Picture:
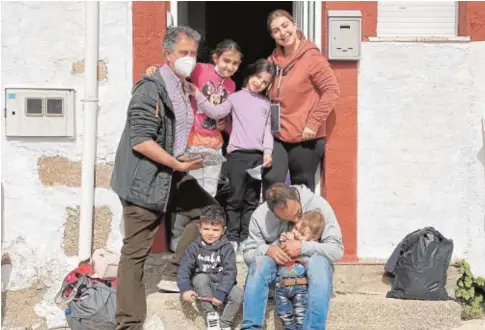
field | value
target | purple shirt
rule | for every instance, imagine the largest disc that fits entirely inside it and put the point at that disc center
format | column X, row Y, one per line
column 184, row 116
column 251, row 123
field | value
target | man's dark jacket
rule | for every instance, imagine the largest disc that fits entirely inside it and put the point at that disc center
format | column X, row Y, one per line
column 136, row 178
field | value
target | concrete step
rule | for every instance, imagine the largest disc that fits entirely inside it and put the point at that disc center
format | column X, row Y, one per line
column 360, row 278
column 359, row 302
column 347, row 312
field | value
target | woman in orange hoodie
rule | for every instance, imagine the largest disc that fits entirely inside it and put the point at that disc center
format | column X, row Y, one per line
column 302, row 95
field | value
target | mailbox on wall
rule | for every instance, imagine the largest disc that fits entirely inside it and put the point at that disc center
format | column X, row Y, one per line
column 344, row 34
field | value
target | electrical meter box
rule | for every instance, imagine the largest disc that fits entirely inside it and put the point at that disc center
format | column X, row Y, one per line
column 344, row 34
column 37, row 112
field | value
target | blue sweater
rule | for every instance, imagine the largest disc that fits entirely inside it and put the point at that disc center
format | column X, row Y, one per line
column 217, row 260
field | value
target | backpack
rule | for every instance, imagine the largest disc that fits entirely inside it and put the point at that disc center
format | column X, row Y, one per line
column 88, row 303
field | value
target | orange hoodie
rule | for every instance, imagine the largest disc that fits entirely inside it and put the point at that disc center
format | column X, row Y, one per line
column 308, row 91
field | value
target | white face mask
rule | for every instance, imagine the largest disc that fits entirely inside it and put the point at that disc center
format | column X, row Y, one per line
column 184, row 66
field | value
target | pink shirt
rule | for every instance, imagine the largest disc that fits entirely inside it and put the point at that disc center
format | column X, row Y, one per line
column 215, row 89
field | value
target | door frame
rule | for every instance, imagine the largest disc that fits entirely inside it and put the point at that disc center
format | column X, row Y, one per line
column 308, row 16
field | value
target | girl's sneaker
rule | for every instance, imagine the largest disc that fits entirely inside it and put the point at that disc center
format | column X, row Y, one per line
column 212, row 320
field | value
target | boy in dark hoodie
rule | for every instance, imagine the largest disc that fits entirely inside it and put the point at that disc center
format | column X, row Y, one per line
column 208, row 269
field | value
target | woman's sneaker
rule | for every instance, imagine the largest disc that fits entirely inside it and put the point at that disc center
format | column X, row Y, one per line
column 212, row 320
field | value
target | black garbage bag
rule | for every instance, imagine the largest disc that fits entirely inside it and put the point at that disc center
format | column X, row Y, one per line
column 422, row 266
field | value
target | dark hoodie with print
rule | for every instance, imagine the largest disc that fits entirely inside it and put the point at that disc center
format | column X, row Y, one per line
column 217, row 260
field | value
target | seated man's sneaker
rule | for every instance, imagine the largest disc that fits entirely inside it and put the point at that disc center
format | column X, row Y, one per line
column 212, row 319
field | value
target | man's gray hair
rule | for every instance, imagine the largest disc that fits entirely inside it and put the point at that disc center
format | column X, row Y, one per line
column 173, row 35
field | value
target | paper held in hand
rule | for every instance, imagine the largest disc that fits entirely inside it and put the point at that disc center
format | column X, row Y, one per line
column 256, row 172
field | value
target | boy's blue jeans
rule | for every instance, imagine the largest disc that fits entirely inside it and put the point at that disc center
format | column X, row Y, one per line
column 262, row 273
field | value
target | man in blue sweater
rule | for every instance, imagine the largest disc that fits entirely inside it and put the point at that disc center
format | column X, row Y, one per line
column 208, row 269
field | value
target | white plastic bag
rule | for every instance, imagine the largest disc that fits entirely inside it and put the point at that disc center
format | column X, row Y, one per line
column 256, row 172
column 105, row 263
column 210, row 157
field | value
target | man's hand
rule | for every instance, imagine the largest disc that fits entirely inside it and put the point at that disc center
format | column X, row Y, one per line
column 278, row 255
column 292, row 248
column 150, row 71
column 189, row 296
column 267, row 160
column 190, row 165
column 216, row 302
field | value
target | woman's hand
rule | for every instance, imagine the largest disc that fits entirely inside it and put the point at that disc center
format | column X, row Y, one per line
column 150, row 71
column 267, row 160
column 308, row 134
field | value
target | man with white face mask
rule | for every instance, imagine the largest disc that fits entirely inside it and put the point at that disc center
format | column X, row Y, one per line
column 147, row 176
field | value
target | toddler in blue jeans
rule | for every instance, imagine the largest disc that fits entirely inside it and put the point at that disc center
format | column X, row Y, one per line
column 291, row 281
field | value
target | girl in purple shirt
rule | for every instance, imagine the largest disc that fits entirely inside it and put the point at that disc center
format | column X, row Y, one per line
column 250, row 144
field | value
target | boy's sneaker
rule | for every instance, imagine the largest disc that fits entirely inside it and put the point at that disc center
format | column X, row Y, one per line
column 212, row 320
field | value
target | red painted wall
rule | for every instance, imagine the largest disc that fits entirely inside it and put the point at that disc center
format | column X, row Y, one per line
column 471, row 20
column 149, row 25
column 341, row 156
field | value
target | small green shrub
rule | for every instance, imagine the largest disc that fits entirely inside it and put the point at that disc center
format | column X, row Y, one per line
column 470, row 293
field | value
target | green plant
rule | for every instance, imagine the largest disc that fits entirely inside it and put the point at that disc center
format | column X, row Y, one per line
column 470, row 293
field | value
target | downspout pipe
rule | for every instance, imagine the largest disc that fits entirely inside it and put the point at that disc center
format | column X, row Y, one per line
column 90, row 109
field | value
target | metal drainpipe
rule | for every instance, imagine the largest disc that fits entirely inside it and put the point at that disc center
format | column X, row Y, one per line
column 90, row 109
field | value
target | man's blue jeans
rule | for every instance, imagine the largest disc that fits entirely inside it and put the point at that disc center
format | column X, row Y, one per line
column 262, row 273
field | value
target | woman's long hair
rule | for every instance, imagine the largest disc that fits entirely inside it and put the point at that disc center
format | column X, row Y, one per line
column 283, row 13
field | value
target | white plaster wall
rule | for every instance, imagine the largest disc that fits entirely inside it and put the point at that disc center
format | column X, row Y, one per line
column 420, row 146
column 40, row 41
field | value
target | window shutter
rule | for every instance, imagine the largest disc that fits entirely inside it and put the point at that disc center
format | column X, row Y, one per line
column 416, row 19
